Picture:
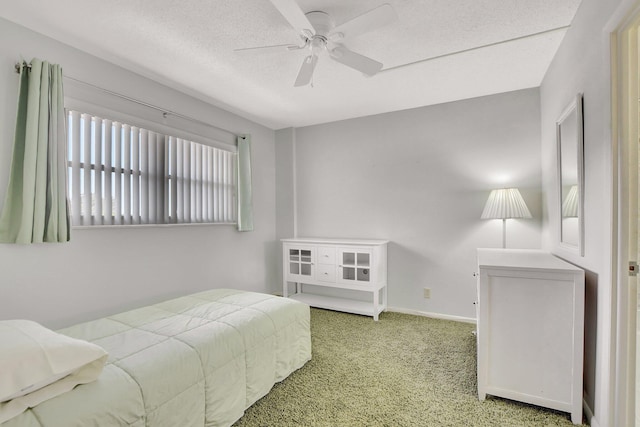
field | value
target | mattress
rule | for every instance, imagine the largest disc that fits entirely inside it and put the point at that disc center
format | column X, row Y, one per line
column 197, row 360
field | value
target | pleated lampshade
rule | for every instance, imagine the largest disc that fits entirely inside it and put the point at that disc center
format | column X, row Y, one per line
column 570, row 204
column 505, row 203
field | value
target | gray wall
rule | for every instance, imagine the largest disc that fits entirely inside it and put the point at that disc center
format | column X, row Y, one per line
column 581, row 65
column 285, row 190
column 420, row 178
column 102, row 271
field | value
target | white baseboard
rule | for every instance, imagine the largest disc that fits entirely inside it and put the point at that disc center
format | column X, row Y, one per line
column 433, row 315
column 420, row 313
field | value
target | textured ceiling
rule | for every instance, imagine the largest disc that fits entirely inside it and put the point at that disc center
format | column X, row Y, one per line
column 437, row 51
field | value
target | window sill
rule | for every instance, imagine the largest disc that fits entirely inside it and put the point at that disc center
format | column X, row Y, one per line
column 121, row 226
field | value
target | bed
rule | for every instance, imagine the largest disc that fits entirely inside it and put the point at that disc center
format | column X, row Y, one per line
column 197, row 360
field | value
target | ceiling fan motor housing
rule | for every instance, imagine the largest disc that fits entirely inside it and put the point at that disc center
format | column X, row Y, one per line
column 322, row 23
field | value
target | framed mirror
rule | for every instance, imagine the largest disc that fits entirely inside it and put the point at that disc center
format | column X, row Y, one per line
column 570, row 141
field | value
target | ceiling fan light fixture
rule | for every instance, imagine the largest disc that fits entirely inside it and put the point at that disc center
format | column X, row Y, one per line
column 318, row 43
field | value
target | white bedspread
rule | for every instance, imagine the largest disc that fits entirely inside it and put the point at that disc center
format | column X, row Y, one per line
column 191, row 361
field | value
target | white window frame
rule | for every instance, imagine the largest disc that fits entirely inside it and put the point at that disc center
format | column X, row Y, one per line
column 170, row 210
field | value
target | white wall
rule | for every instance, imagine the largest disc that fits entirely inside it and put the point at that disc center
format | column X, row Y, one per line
column 420, row 178
column 581, row 65
column 102, row 271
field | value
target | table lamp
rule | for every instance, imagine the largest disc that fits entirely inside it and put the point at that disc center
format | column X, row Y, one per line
column 505, row 203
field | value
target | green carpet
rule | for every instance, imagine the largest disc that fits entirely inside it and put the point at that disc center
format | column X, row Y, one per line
column 401, row 371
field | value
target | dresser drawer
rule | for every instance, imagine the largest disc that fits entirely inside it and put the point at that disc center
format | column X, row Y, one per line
column 326, row 272
column 326, row 255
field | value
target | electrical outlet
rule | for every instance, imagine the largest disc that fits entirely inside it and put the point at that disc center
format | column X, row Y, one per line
column 427, row 293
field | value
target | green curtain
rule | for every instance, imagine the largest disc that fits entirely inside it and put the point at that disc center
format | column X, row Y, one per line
column 35, row 208
column 245, row 203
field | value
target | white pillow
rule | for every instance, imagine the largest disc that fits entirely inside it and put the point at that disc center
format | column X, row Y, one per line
column 37, row 364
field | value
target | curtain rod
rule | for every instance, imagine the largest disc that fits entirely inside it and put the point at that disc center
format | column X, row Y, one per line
column 165, row 112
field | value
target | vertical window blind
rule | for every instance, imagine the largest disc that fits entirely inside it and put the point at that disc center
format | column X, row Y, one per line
column 122, row 174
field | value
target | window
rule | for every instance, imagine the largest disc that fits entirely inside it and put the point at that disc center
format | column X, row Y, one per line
column 121, row 174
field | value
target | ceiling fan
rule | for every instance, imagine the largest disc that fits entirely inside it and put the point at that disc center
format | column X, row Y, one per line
column 319, row 33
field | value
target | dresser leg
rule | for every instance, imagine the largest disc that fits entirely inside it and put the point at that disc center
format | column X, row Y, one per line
column 376, row 303
column 576, row 417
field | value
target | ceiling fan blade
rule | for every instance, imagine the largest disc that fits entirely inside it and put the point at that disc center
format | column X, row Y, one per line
column 375, row 18
column 306, row 71
column 356, row 61
column 267, row 49
column 294, row 15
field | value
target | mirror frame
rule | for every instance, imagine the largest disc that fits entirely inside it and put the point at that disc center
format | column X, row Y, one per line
column 577, row 106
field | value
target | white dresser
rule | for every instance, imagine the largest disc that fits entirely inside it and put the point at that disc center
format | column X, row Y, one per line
column 530, row 329
column 357, row 265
